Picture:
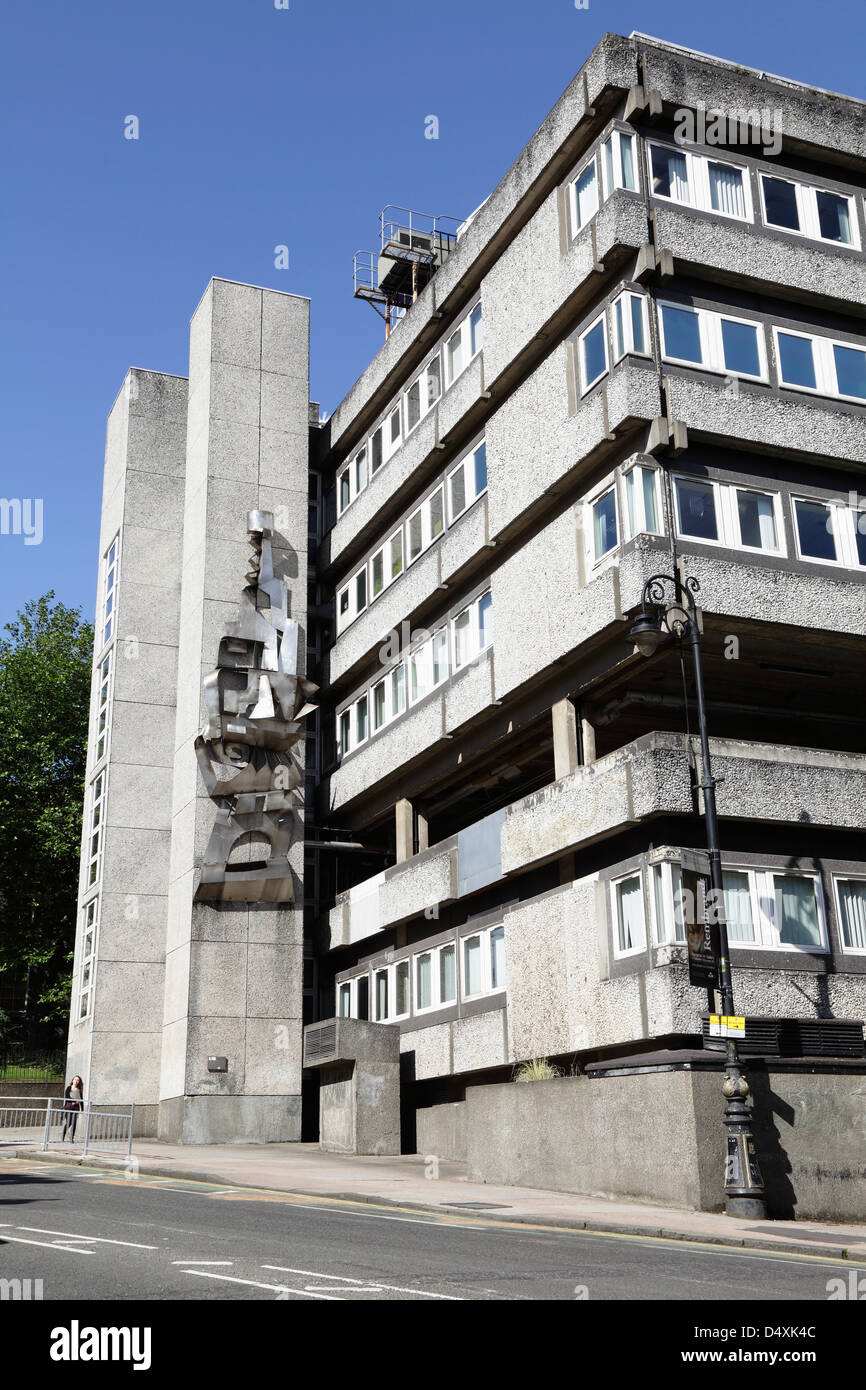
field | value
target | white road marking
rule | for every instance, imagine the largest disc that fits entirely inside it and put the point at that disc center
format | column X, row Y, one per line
column 253, row 1284
column 47, row 1245
column 203, row 1262
column 372, row 1286
column 102, row 1240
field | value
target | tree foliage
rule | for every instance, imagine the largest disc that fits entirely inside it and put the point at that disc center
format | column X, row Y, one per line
column 45, row 670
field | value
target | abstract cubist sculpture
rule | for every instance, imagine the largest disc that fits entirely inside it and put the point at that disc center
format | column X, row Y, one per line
column 256, row 705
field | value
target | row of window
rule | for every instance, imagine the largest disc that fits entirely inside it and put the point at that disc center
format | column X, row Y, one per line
column 401, row 418
column 721, row 342
column 723, row 187
column 449, row 649
column 427, row 980
column 764, row 908
column 726, row 514
column 463, row 485
column 97, row 792
column 88, row 959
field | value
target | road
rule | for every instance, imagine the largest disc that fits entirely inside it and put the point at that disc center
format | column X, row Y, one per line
column 89, row 1234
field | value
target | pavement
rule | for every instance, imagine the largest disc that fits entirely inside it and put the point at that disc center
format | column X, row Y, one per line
column 413, row 1182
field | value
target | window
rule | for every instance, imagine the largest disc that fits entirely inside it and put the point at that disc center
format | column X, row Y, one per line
column 815, row 532
column 415, row 534
column 360, row 720
column 377, row 573
column 756, row 520
column 380, row 994
column 97, row 819
column 344, row 735
column 376, row 451
column 740, row 517
column 467, row 482
column 667, row 901
column 716, row 341
column 711, row 185
column 90, row 919
column 472, row 967
column 103, row 706
column 109, row 591
column 424, row 981
column 765, row 909
column 696, row 509
column 361, row 470
column 585, row 196
column 344, row 1008
column 454, row 355
column 396, row 554
column 476, row 330
column 447, row 974
column 641, row 498
column 436, row 510
column 618, row 163
column 430, row 665
column 851, row 910
column 629, row 925
column 361, row 591
column 593, row 354
column 413, row 405
column 604, row 523
column 630, row 333
column 811, row 363
column 344, row 490
column 497, row 958
column 681, row 334
column 401, row 989
column 808, row 211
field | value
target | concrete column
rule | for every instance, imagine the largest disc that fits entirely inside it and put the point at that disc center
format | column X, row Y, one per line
column 234, row 971
column 116, row 1047
column 587, row 739
column 405, row 830
column 565, row 748
column 423, row 833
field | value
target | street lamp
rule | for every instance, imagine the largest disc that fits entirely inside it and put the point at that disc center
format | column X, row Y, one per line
column 668, row 605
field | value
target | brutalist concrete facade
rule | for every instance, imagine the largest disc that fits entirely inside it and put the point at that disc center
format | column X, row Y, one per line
column 605, row 380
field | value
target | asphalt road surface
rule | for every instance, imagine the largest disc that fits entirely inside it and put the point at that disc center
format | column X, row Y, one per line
column 88, row 1234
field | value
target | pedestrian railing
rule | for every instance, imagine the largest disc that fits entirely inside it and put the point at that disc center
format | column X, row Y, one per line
column 95, row 1128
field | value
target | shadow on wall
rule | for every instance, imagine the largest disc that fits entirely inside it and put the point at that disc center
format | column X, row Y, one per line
column 775, row 1165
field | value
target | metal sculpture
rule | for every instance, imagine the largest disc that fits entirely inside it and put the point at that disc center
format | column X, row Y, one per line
column 256, row 705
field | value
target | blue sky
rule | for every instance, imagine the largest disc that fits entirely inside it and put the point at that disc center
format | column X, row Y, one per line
column 261, row 127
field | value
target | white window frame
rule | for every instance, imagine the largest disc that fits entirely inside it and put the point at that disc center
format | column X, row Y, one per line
column 762, row 897
column 698, row 181
column 619, row 952
column 591, row 503
column 839, row 878
column 110, row 585
column 824, row 361
column 483, row 936
column 470, row 492
column 844, row 533
column 712, row 342
column 576, row 224
column 615, row 139
column 728, row 531
column 806, row 196
column 88, row 959
column 629, row 349
column 585, row 385
column 641, row 526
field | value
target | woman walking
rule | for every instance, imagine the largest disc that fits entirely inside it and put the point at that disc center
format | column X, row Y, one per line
column 74, row 1096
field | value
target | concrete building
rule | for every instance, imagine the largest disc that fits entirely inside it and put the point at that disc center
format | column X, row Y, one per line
column 645, row 350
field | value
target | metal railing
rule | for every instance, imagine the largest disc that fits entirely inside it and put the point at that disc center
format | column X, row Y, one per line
column 96, row 1128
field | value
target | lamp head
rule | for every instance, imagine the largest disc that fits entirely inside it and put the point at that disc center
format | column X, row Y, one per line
column 646, row 633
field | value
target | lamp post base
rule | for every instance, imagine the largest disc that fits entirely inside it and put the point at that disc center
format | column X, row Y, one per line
column 744, row 1185
column 746, row 1208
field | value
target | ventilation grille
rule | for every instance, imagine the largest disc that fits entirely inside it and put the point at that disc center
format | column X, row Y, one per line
column 320, row 1041
column 798, row 1037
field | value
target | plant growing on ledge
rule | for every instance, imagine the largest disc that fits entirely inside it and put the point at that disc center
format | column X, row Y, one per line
column 537, row 1069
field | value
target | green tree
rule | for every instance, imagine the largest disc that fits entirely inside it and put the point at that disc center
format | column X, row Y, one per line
column 46, row 659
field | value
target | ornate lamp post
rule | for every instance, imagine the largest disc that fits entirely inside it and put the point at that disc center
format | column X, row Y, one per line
column 668, row 606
